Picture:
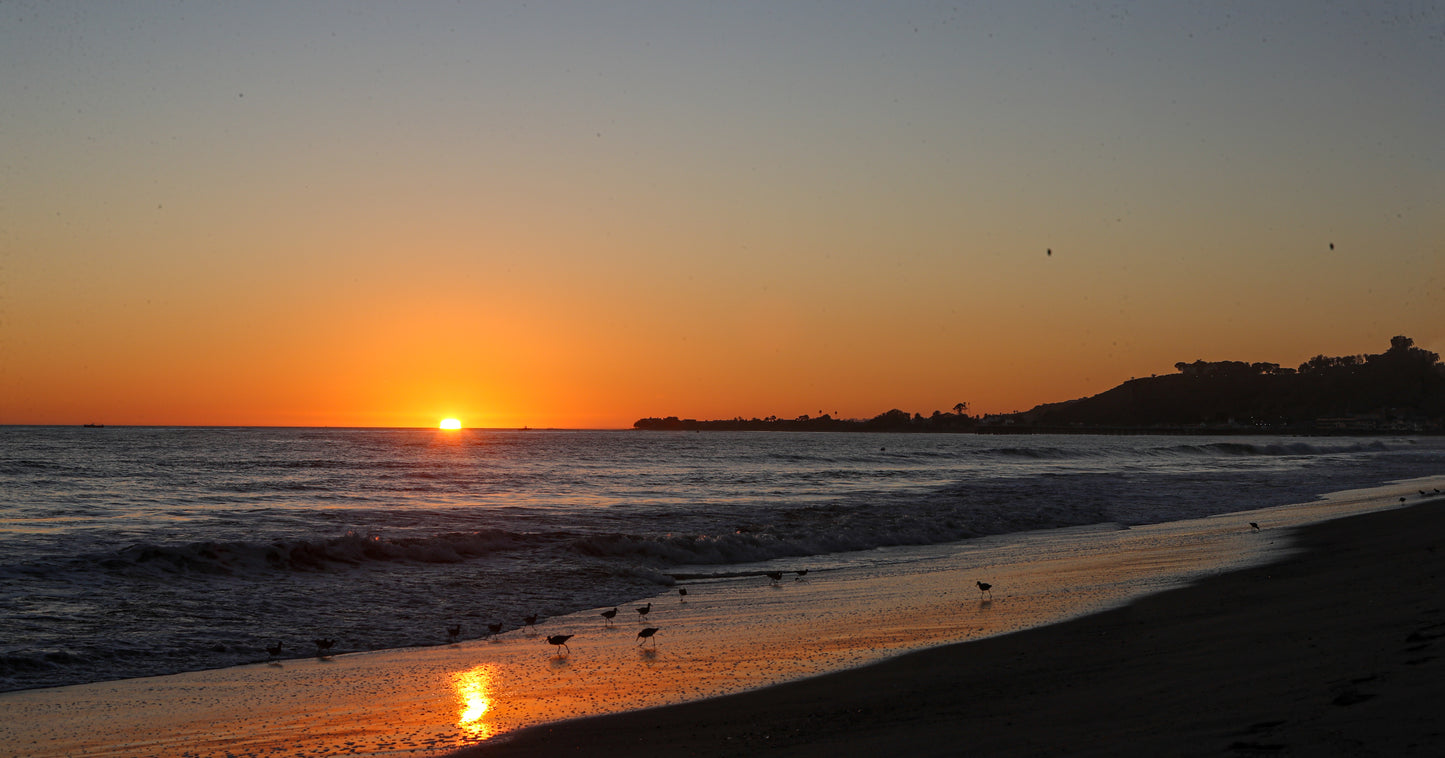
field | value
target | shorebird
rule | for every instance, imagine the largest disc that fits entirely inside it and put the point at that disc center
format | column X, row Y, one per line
column 802, row 574
column 607, row 616
column 559, row 641
column 682, row 593
column 531, row 621
column 274, row 650
column 646, row 634
column 322, row 646
column 1254, row 526
column 494, row 630
column 985, row 587
column 776, row 576
column 643, row 610
column 453, row 632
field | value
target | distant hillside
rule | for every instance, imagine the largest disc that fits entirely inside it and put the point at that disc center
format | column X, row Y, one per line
column 1399, row 390
column 890, row 421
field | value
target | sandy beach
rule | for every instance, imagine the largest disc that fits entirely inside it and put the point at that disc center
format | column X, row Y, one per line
column 1317, row 642
column 1335, row 651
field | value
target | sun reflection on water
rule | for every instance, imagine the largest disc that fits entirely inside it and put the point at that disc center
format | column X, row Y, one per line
column 473, row 688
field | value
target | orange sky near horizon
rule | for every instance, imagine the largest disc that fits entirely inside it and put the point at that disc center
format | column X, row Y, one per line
column 576, row 217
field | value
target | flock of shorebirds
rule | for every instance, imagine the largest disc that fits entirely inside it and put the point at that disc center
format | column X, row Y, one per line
column 559, row 641
column 1423, row 493
column 644, row 635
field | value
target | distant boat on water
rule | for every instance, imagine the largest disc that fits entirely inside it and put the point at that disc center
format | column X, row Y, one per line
column 95, row 426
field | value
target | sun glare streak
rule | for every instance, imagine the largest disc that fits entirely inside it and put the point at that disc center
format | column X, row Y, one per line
column 473, row 690
column 451, row 423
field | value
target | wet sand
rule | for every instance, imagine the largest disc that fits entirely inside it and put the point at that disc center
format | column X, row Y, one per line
column 1334, row 651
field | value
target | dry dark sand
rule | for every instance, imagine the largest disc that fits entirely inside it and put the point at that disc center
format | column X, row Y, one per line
column 1333, row 652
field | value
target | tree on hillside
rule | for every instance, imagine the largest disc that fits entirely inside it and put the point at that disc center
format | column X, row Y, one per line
column 891, row 419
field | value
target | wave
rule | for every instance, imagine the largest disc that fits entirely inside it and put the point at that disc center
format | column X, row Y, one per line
column 23, row 466
column 1241, row 449
column 1037, row 453
column 800, row 531
column 1223, row 449
column 819, row 530
column 309, row 555
column 303, row 463
column 13, row 664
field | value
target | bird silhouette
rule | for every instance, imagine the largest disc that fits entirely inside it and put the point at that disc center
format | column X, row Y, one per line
column 607, row 616
column 646, row 634
column 453, row 632
column 494, row 630
column 1254, row 525
column 643, row 610
column 776, row 576
column 323, row 646
column 682, row 593
column 531, row 620
column 559, row 641
column 275, row 649
column 802, row 575
column 985, row 587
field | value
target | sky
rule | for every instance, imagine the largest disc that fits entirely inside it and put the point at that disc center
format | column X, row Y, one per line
column 580, row 214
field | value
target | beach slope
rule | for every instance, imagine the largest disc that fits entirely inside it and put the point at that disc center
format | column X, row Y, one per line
column 1333, row 651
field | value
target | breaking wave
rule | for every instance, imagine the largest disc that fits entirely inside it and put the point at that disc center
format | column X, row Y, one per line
column 350, row 549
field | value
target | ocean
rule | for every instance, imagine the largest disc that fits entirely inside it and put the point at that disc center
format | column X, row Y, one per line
column 138, row 551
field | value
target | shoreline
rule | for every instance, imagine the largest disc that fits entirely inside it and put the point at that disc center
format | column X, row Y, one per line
column 738, row 635
column 1333, row 650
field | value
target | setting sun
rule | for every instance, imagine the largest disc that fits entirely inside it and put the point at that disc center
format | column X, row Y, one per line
column 451, row 423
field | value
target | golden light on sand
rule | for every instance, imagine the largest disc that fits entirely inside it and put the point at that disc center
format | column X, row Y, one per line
column 473, row 689
column 451, row 423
